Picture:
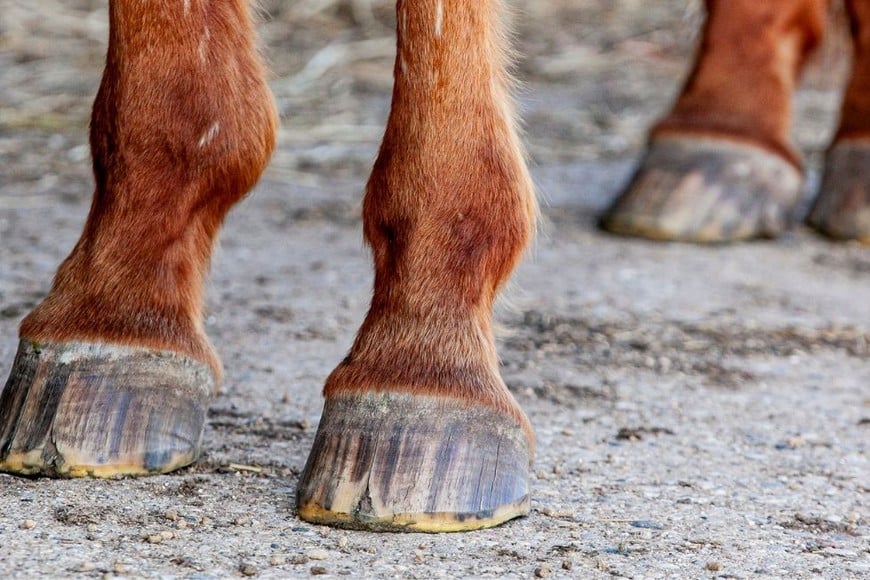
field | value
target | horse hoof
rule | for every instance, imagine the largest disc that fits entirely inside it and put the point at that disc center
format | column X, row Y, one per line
column 703, row 189
column 83, row 409
column 842, row 208
column 400, row 462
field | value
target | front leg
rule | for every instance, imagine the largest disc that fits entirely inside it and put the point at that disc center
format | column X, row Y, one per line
column 114, row 372
column 419, row 432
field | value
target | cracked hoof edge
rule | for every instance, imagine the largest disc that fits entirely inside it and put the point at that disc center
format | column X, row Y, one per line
column 400, row 462
column 96, row 410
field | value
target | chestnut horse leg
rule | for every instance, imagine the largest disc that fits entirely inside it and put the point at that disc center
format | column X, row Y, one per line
column 418, row 431
column 719, row 166
column 114, row 372
column 842, row 209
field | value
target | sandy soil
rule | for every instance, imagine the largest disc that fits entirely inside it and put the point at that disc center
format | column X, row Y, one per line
column 700, row 411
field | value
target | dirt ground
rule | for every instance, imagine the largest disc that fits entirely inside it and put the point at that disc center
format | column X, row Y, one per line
column 700, row 411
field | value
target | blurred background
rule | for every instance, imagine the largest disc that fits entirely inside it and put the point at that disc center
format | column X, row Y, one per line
column 595, row 74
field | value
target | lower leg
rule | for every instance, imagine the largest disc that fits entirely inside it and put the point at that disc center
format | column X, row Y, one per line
column 720, row 166
column 182, row 127
column 842, row 209
column 419, row 431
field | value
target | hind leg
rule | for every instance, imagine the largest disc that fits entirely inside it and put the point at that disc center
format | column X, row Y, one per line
column 719, row 166
column 842, row 208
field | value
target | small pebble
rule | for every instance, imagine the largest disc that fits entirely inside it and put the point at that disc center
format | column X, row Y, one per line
column 543, row 571
column 342, row 543
column 557, row 513
column 119, row 568
column 318, row 555
column 299, row 559
column 646, row 524
column 85, row 567
column 277, row 560
column 171, row 515
column 567, row 564
column 714, row 566
column 318, row 571
column 154, row 539
column 92, row 528
column 242, row 520
column 167, row 535
column 27, row 525
column 247, row 570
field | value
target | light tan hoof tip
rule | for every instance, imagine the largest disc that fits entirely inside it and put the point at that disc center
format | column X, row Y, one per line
column 398, row 462
column 702, row 189
column 94, row 410
column 842, row 208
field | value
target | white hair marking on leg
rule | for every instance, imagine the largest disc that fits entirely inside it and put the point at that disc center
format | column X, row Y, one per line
column 209, row 134
column 203, row 45
column 439, row 18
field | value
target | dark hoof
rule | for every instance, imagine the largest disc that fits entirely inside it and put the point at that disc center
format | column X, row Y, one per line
column 79, row 409
column 842, row 208
column 696, row 189
column 388, row 461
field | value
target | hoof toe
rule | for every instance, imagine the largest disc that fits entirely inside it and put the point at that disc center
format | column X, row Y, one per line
column 399, row 462
column 696, row 189
column 78, row 410
column 842, row 208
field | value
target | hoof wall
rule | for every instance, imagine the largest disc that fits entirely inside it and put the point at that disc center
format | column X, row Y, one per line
column 695, row 189
column 842, row 208
column 399, row 462
column 92, row 410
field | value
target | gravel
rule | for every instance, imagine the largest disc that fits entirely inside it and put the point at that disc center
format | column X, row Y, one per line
column 700, row 411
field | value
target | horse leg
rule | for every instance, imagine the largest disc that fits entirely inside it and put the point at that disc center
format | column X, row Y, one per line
column 719, row 166
column 842, row 208
column 114, row 372
column 419, row 431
